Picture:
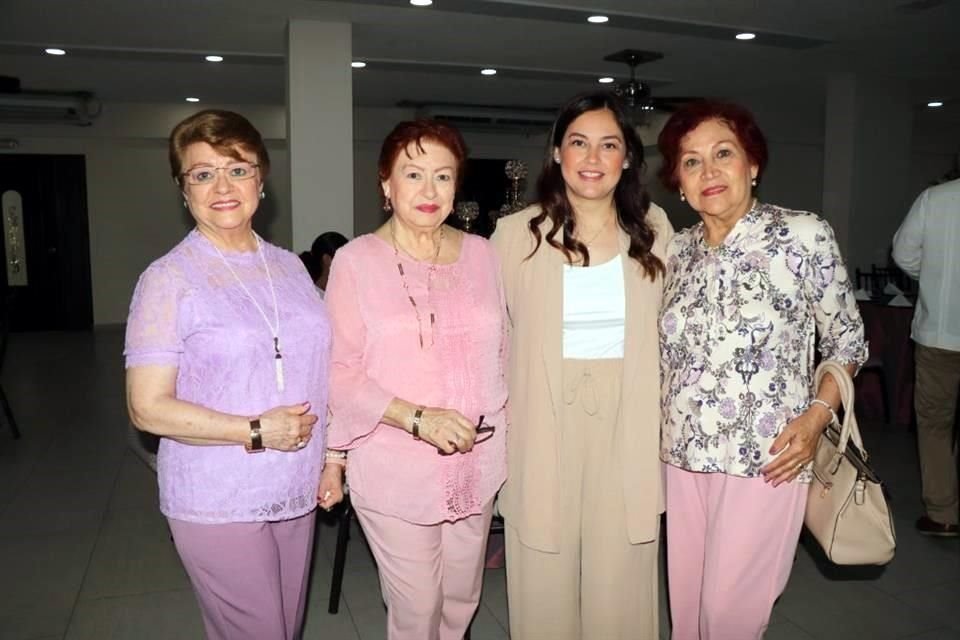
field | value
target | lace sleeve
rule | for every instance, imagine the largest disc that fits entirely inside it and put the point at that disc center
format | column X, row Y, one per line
column 153, row 336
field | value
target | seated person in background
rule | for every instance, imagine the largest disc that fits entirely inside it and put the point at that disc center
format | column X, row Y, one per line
column 322, row 251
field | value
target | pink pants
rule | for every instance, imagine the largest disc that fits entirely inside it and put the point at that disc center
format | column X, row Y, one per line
column 430, row 575
column 731, row 542
column 250, row 577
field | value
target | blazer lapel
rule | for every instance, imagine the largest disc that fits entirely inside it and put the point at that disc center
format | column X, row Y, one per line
column 633, row 284
column 550, row 268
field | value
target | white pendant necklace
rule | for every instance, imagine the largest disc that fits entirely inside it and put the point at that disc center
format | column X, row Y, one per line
column 275, row 325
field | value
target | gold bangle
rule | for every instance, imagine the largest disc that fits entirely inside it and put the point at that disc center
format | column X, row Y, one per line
column 415, row 424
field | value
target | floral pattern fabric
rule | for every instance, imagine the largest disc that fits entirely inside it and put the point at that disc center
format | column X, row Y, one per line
column 737, row 336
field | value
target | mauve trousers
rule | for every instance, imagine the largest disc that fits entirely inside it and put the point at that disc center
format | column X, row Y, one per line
column 731, row 542
column 250, row 578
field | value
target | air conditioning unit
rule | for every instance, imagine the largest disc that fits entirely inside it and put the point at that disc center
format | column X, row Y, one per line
column 530, row 120
column 41, row 107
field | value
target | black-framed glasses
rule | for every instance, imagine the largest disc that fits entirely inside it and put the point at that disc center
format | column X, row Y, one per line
column 484, row 433
column 235, row 172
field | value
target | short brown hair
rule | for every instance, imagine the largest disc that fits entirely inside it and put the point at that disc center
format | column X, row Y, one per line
column 225, row 131
column 691, row 116
column 415, row 132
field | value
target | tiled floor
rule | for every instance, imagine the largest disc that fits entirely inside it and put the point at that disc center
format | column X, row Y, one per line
column 84, row 553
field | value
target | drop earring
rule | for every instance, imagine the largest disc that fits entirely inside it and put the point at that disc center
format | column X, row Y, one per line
column 626, row 164
column 263, row 194
column 556, row 158
column 753, row 182
column 387, row 206
column 683, row 198
column 185, row 205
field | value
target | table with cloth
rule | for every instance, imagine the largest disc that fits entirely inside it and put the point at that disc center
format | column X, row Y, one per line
column 887, row 329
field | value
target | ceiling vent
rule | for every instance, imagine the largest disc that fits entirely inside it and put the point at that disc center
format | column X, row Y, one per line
column 46, row 107
column 494, row 118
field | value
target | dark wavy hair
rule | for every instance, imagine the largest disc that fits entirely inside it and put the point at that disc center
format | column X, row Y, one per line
column 690, row 116
column 630, row 197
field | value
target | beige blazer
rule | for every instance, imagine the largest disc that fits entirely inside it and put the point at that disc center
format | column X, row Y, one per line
column 530, row 500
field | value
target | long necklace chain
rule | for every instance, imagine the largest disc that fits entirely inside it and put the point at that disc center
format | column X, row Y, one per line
column 275, row 325
column 406, row 287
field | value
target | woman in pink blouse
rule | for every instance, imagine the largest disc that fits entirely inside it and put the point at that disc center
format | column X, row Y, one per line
column 745, row 294
column 227, row 353
column 418, row 394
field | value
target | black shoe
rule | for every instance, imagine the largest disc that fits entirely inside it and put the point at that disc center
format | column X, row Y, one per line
column 928, row 527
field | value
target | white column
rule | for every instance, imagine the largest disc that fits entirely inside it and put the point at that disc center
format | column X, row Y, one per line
column 839, row 145
column 320, row 129
column 866, row 164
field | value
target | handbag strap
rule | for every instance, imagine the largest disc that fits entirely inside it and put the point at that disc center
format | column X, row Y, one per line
column 849, row 429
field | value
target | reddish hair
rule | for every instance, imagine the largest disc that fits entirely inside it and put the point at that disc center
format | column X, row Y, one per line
column 689, row 117
column 414, row 132
column 225, row 131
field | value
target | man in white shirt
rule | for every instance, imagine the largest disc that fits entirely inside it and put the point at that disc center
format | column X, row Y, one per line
column 927, row 247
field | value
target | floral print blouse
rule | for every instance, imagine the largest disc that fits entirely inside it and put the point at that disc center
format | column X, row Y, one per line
column 737, row 331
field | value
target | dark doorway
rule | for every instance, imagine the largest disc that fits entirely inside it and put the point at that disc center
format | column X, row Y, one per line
column 55, row 242
column 485, row 183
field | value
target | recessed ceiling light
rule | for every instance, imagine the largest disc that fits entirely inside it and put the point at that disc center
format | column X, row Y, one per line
column 358, row 64
column 746, row 35
column 193, row 99
column 605, row 80
column 421, row 3
column 935, row 103
column 488, row 72
column 214, row 58
column 56, row 52
column 598, row 19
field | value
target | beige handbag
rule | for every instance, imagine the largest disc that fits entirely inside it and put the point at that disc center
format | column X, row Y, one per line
column 847, row 512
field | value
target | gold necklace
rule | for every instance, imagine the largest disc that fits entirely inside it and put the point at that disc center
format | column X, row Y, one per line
column 403, row 280
column 599, row 231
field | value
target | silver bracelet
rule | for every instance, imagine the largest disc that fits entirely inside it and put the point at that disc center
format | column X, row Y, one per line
column 826, row 405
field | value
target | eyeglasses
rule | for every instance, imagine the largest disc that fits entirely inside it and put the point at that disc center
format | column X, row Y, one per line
column 235, row 172
column 484, row 433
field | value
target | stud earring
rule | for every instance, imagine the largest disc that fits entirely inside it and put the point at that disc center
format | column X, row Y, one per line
column 683, row 198
column 753, row 182
column 626, row 164
column 185, row 205
column 263, row 194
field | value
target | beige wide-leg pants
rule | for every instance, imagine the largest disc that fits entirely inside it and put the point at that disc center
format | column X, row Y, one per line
column 599, row 586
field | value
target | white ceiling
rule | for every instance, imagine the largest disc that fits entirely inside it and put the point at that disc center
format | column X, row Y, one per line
column 138, row 51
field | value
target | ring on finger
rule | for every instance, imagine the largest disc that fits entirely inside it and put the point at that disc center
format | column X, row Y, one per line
column 301, row 443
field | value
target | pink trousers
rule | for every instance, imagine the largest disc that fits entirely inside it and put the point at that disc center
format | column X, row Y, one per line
column 430, row 575
column 731, row 542
column 250, row 577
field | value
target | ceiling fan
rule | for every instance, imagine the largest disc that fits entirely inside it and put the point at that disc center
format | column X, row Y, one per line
column 635, row 93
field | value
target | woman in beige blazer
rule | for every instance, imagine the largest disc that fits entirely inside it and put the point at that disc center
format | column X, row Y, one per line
column 583, row 278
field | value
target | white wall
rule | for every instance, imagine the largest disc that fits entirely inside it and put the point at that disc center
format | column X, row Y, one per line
column 135, row 213
column 134, row 210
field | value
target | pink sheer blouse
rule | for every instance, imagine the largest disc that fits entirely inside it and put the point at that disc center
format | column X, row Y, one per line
column 377, row 356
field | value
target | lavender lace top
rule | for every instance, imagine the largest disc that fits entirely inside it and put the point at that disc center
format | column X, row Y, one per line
column 737, row 331
column 189, row 312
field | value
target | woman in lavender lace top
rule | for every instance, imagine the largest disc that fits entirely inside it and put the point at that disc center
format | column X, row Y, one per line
column 227, row 354
column 745, row 294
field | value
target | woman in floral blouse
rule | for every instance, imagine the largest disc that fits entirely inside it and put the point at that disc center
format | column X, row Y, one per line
column 746, row 292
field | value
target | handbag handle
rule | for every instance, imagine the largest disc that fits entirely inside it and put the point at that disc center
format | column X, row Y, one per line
column 849, row 429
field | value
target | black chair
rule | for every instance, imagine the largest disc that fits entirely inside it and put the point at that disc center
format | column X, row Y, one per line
column 4, row 337
column 344, row 519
